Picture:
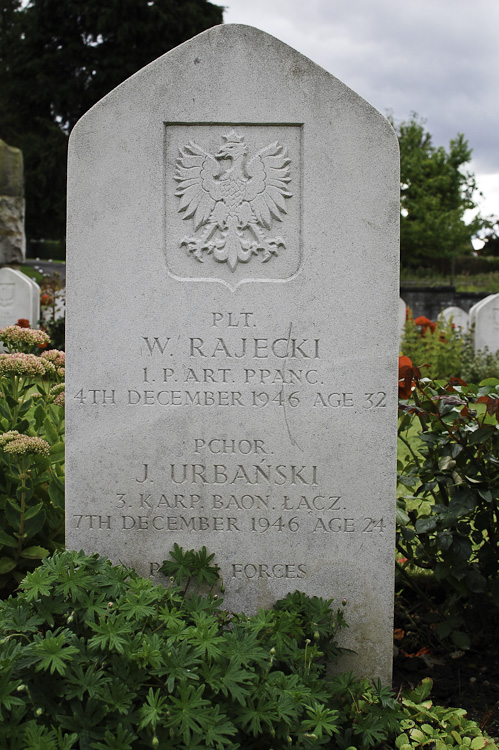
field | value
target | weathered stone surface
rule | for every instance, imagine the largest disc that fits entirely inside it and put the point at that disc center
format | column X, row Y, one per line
column 485, row 316
column 402, row 314
column 225, row 386
column 12, row 237
column 19, row 298
column 11, row 171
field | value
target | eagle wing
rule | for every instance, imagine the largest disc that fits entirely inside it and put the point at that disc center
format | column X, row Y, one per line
column 197, row 189
column 267, row 188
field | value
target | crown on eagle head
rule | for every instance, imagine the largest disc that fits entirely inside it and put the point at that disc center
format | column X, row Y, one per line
column 233, row 137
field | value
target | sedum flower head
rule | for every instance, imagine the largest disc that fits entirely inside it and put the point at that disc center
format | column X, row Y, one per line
column 5, row 437
column 19, row 363
column 15, row 443
column 56, row 389
column 57, row 395
column 54, row 361
column 18, row 337
column 55, row 356
column 60, row 400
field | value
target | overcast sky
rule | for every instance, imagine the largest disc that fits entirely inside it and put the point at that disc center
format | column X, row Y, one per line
column 439, row 58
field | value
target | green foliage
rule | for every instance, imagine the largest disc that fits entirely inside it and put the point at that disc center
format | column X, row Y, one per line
column 425, row 725
column 96, row 658
column 449, row 523
column 58, row 59
column 31, row 455
column 478, row 366
column 436, row 348
column 436, row 190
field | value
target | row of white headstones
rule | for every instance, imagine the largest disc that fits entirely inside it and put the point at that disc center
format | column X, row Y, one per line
column 20, row 299
column 483, row 319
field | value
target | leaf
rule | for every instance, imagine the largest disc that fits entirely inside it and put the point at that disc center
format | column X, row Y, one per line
column 33, row 511
column 461, row 640
column 56, row 492
column 7, row 540
column 6, row 565
column 39, row 415
column 53, row 651
column 34, row 553
column 480, row 435
column 50, row 430
column 478, row 743
column 13, row 513
column 424, row 525
column 57, row 453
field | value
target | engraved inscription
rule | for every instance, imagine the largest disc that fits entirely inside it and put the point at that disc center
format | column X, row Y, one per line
column 233, row 199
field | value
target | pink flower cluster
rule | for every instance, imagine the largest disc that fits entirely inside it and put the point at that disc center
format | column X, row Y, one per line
column 57, row 394
column 22, row 364
column 17, row 444
column 16, row 336
column 55, row 358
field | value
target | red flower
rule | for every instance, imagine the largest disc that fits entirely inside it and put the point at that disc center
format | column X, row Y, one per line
column 45, row 299
column 425, row 324
column 23, row 323
column 408, row 374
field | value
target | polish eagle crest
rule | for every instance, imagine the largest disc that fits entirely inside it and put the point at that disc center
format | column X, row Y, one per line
column 233, row 200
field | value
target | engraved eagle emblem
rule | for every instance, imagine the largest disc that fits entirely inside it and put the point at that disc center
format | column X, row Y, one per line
column 232, row 199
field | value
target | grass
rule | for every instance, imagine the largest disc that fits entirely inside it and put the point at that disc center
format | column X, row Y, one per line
column 465, row 282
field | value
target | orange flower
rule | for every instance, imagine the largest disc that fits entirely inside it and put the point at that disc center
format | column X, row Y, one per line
column 23, row 323
column 425, row 324
column 45, row 299
column 408, row 374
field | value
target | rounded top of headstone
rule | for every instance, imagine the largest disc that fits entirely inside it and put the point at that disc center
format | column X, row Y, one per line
column 236, row 59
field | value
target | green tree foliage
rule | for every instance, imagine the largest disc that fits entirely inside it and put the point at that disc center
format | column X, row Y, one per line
column 436, row 191
column 57, row 59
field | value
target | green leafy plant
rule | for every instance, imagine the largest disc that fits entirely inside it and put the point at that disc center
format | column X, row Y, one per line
column 31, row 452
column 477, row 366
column 448, row 511
column 95, row 657
column 436, row 347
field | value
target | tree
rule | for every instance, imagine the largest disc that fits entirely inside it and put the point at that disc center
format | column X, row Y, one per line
column 491, row 240
column 59, row 58
column 436, row 191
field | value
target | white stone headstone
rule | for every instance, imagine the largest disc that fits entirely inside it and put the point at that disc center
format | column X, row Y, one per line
column 474, row 309
column 222, row 388
column 460, row 317
column 19, row 298
column 486, row 319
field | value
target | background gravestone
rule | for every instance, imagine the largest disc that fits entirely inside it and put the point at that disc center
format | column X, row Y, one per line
column 19, row 298
column 460, row 317
column 12, row 237
column 486, row 320
column 224, row 387
column 474, row 309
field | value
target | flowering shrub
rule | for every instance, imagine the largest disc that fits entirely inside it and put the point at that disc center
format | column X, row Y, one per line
column 449, row 523
column 31, row 452
column 435, row 347
column 53, row 307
